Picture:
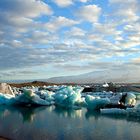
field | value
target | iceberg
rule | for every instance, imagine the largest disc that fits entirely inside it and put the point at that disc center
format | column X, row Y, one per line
column 6, row 99
column 95, row 103
column 30, row 97
column 68, row 97
column 137, row 94
column 116, row 99
column 113, row 111
column 135, row 111
column 6, row 89
column 130, row 99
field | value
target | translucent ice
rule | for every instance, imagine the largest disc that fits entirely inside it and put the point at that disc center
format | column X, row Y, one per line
column 6, row 99
column 114, row 111
column 68, row 96
column 95, row 103
column 29, row 97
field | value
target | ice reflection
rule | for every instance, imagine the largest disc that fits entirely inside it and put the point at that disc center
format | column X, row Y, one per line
column 62, row 112
column 28, row 113
column 96, row 115
column 91, row 114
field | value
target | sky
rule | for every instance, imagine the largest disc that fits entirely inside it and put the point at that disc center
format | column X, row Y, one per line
column 40, row 39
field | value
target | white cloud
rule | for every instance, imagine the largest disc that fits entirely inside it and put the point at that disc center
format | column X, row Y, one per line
column 131, row 43
column 76, row 32
column 128, row 15
column 63, row 3
column 132, row 28
column 126, row 11
column 58, row 22
column 84, row 1
column 106, row 29
column 26, row 8
column 21, row 15
column 89, row 13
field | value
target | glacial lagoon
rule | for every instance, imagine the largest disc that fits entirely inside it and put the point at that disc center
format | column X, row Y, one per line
column 54, row 123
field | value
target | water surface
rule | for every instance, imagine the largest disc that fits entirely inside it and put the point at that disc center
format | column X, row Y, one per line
column 51, row 123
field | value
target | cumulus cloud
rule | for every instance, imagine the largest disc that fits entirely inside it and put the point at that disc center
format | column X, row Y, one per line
column 58, row 22
column 63, row 3
column 84, row 1
column 106, row 29
column 18, row 19
column 89, row 13
column 26, row 8
column 76, row 32
column 127, row 11
column 66, row 3
column 21, row 14
column 128, row 15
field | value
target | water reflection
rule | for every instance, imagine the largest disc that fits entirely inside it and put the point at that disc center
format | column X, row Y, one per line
column 123, row 117
column 92, row 114
column 53, row 123
column 96, row 115
column 71, row 113
column 29, row 113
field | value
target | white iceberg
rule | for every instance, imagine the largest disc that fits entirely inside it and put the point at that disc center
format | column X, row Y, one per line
column 130, row 99
column 6, row 89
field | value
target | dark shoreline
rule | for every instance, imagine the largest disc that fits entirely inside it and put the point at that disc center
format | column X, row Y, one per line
column 116, row 86
column 38, row 83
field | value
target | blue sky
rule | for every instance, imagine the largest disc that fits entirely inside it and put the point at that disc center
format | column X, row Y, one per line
column 49, row 38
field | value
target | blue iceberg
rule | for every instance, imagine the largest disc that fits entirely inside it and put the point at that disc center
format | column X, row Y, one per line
column 95, row 103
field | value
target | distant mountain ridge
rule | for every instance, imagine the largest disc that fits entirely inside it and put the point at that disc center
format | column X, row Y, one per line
column 100, row 77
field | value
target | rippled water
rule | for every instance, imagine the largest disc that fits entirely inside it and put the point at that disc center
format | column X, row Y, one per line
column 53, row 123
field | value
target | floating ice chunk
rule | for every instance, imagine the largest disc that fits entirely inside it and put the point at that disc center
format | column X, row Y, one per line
column 46, row 95
column 68, row 96
column 114, row 111
column 6, row 99
column 94, row 103
column 105, row 85
column 137, row 94
column 29, row 97
column 6, row 89
column 130, row 99
column 116, row 99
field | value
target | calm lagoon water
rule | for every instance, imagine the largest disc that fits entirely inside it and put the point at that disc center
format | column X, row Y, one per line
column 51, row 123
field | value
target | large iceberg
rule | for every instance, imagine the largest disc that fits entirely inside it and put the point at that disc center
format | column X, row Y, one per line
column 30, row 97
column 68, row 97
